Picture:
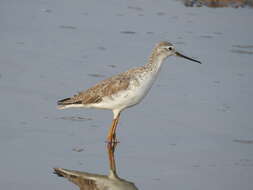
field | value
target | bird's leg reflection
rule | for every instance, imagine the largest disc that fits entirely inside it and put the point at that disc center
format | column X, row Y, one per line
column 91, row 181
column 110, row 150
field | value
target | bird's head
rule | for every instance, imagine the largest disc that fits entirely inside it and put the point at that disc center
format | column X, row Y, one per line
column 166, row 49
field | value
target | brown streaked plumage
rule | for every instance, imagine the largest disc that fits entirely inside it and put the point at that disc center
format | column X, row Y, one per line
column 125, row 89
column 104, row 88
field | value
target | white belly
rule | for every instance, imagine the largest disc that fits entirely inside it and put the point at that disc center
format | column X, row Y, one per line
column 133, row 95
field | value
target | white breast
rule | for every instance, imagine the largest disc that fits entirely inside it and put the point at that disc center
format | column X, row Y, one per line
column 137, row 90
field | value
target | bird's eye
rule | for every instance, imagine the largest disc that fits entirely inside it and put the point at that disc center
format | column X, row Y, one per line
column 170, row 48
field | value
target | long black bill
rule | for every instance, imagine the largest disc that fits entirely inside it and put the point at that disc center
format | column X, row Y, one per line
column 183, row 56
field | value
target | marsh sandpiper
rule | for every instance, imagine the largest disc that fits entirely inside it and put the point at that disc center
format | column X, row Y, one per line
column 125, row 89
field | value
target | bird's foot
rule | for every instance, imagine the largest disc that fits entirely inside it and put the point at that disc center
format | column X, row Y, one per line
column 112, row 140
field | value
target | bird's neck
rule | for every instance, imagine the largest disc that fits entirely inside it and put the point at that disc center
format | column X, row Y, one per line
column 155, row 62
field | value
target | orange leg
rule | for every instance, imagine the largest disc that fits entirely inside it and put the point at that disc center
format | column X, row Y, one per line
column 111, row 148
column 111, row 137
column 114, row 129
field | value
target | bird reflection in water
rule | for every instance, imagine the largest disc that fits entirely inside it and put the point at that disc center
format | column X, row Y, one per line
column 89, row 181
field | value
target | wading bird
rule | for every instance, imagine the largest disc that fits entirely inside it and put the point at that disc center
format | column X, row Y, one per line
column 125, row 89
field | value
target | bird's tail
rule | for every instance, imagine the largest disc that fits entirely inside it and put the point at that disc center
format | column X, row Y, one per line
column 68, row 102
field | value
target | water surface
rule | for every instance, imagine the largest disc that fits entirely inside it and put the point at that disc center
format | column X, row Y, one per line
column 193, row 130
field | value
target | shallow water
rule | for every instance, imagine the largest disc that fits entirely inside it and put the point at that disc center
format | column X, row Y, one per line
column 85, row 180
column 193, row 131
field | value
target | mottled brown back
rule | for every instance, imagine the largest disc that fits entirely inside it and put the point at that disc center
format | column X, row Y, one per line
column 96, row 93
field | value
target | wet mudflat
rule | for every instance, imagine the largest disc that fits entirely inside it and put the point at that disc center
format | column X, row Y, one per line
column 194, row 129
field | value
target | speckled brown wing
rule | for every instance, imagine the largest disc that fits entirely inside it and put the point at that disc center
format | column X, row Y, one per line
column 96, row 93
